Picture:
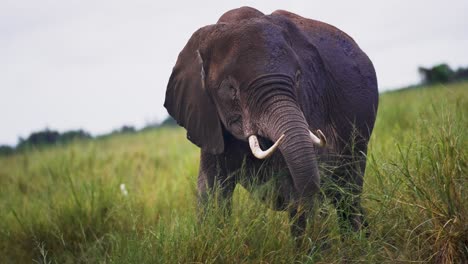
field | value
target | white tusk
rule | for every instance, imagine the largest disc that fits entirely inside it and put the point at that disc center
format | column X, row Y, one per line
column 258, row 152
column 321, row 140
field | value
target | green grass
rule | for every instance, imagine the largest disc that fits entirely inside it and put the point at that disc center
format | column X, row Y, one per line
column 64, row 204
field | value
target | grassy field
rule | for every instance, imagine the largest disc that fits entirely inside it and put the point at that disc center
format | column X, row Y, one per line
column 64, row 204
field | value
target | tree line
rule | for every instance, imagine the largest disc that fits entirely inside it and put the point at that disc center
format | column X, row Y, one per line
column 49, row 137
column 442, row 73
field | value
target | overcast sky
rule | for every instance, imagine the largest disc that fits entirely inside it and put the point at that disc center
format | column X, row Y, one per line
column 98, row 65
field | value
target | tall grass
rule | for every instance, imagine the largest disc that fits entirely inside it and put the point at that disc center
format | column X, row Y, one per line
column 64, row 204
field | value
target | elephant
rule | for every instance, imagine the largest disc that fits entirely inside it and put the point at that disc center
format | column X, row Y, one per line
column 299, row 88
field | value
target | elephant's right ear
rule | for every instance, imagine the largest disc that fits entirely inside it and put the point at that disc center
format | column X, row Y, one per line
column 187, row 99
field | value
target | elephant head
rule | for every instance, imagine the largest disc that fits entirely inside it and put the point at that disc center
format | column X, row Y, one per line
column 245, row 79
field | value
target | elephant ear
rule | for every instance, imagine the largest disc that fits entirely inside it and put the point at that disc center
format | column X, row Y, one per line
column 188, row 100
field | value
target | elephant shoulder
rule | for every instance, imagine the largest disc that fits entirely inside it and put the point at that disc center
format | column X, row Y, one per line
column 341, row 56
column 238, row 14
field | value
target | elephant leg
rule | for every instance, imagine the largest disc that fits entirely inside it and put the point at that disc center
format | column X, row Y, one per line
column 350, row 213
column 346, row 192
column 299, row 215
column 215, row 187
column 298, row 221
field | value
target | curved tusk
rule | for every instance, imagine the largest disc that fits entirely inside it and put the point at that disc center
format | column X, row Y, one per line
column 321, row 140
column 258, row 152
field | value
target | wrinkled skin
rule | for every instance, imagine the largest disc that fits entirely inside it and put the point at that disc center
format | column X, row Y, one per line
column 268, row 75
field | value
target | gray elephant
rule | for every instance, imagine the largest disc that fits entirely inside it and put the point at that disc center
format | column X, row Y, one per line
column 254, row 81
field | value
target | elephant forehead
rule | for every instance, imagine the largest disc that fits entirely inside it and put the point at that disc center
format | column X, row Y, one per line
column 254, row 44
column 238, row 14
column 247, row 34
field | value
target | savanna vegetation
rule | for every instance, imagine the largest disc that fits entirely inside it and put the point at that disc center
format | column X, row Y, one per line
column 131, row 198
column 442, row 73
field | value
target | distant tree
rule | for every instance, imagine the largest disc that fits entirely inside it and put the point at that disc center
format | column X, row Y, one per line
column 127, row 129
column 124, row 129
column 441, row 73
column 461, row 74
column 41, row 138
column 169, row 121
column 150, row 126
column 6, row 150
column 74, row 135
column 50, row 137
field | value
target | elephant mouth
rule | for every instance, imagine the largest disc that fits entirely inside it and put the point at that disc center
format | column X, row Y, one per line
column 256, row 145
column 257, row 150
column 265, row 143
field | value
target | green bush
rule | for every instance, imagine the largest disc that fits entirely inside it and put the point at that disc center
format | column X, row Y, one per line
column 441, row 73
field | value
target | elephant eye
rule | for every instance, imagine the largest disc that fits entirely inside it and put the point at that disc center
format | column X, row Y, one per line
column 298, row 76
column 233, row 91
column 227, row 91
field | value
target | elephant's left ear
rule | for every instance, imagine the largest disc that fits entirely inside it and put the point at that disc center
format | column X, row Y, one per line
column 188, row 101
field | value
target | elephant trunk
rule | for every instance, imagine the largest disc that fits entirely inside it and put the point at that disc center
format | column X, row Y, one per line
column 297, row 147
column 282, row 115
